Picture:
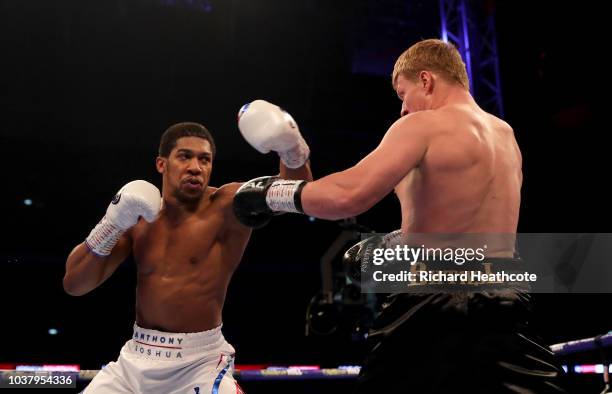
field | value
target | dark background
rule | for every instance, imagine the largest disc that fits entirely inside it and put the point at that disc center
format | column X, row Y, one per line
column 87, row 88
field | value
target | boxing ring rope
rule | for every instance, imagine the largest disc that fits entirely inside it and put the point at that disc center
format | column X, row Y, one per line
column 598, row 343
column 271, row 373
column 582, row 345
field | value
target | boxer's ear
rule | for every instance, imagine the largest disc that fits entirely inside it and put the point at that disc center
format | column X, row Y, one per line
column 160, row 164
column 426, row 81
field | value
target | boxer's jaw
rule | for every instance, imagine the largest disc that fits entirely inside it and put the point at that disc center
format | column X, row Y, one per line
column 414, row 95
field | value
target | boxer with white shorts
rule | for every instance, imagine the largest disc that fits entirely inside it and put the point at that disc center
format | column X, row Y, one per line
column 158, row 362
column 186, row 247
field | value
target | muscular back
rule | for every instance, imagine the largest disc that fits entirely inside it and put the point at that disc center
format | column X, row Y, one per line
column 468, row 181
column 185, row 265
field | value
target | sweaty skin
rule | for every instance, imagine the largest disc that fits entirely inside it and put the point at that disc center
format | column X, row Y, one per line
column 185, row 264
column 468, row 181
column 454, row 167
column 186, row 257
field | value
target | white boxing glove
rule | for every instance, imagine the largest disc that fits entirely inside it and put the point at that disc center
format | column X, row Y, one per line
column 268, row 127
column 136, row 199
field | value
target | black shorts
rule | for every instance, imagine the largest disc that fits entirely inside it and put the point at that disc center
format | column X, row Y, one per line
column 457, row 343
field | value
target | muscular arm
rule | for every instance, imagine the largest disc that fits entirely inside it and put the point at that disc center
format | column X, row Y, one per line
column 354, row 191
column 232, row 225
column 85, row 271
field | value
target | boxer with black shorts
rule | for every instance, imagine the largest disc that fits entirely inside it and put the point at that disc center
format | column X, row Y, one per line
column 455, row 169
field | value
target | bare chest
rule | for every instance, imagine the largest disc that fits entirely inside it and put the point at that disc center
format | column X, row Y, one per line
column 165, row 248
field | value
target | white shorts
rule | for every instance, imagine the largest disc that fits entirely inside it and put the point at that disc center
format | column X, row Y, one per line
column 161, row 362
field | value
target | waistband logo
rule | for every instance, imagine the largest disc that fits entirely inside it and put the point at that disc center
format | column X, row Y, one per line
column 160, row 341
column 157, row 353
column 157, row 339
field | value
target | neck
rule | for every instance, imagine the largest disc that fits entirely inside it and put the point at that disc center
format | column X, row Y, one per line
column 449, row 95
column 178, row 210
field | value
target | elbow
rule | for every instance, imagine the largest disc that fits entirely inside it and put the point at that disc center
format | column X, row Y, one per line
column 71, row 287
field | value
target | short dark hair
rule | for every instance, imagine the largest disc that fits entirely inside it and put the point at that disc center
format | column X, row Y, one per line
column 184, row 129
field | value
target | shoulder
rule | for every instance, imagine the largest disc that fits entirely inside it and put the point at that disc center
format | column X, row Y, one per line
column 225, row 192
column 224, row 198
column 500, row 124
column 422, row 124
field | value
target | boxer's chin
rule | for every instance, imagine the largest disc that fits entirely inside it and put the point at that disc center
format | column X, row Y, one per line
column 188, row 196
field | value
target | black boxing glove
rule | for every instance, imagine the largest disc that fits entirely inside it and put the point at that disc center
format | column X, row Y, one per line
column 261, row 198
column 357, row 260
